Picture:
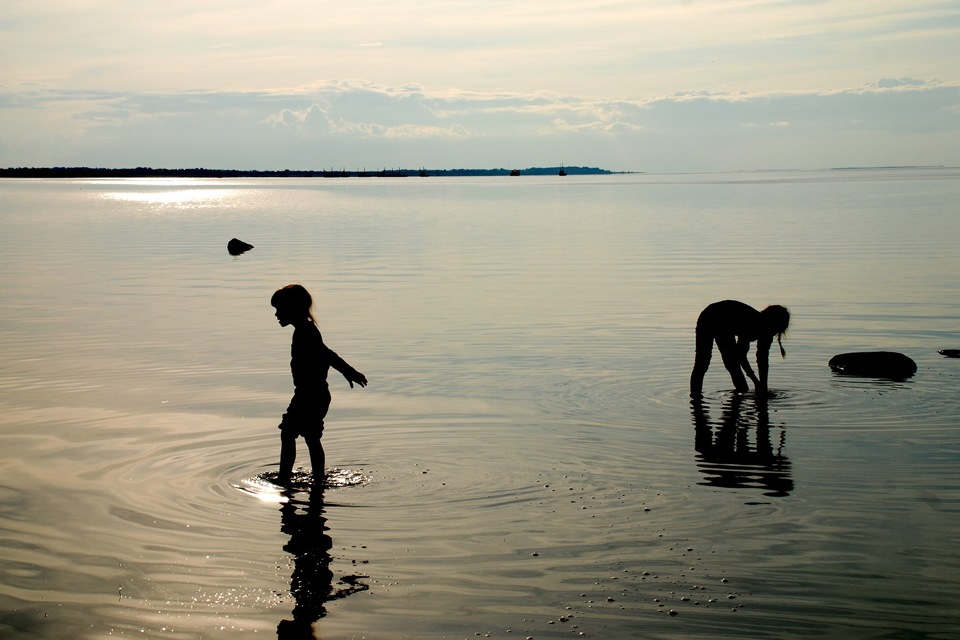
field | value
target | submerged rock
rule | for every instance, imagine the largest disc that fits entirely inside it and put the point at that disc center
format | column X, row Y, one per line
column 236, row 247
column 874, row 364
column 950, row 353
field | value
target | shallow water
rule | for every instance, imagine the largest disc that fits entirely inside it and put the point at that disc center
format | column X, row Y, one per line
column 525, row 461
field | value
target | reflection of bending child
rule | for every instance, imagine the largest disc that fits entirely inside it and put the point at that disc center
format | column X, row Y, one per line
column 734, row 325
column 310, row 361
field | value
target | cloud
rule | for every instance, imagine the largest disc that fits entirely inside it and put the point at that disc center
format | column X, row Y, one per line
column 361, row 123
column 562, row 125
column 314, row 121
column 893, row 107
column 892, row 83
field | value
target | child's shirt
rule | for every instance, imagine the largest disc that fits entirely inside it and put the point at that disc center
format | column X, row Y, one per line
column 311, row 359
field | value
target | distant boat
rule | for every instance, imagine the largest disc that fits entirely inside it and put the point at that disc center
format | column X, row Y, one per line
column 563, row 172
column 515, row 172
column 423, row 173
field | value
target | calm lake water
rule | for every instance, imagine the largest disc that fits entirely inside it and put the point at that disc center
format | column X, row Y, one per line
column 525, row 461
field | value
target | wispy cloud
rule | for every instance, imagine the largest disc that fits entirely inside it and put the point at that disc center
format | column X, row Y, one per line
column 597, row 47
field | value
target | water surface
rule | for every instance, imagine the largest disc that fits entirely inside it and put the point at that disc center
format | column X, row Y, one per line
column 525, row 461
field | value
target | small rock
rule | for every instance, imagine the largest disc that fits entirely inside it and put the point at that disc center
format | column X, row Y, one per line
column 236, row 247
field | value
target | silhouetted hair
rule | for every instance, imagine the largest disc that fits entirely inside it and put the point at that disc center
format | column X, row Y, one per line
column 778, row 319
column 294, row 298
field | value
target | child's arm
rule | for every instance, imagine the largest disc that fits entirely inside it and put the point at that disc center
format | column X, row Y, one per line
column 763, row 362
column 743, row 347
column 355, row 376
column 348, row 372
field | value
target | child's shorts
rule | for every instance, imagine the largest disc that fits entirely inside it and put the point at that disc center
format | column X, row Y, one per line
column 304, row 417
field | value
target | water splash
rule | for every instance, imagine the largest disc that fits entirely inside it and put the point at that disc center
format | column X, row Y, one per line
column 266, row 486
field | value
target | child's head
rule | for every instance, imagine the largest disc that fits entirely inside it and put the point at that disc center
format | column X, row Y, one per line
column 293, row 303
column 777, row 319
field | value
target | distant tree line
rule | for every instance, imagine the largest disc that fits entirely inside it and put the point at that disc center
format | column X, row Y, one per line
column 149, row 172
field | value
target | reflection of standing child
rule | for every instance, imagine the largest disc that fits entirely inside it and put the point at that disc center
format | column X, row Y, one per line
column 310, row 361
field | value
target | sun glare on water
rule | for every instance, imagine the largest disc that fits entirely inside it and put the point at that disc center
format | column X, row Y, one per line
column 175, row 198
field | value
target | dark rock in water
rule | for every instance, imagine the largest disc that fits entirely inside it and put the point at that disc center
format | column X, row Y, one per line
column 874, row 364
column 236, row 247
column 950, row 353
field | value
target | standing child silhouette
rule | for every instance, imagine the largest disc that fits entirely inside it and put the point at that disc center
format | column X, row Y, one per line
column 310, row 360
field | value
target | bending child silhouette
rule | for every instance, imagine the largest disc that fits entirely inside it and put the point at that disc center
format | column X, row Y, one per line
column 310, row 360
column 734, row 325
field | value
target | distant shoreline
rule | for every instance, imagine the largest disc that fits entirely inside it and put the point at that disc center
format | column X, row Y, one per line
column 199, row 172
column 149, row 172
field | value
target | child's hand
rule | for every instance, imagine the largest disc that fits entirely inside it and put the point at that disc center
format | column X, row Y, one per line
column 356, row 376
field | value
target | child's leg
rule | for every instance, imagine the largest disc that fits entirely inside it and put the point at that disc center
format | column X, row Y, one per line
column 288, row 455
column 318, row 459
column 731, row 360
column 701, row 361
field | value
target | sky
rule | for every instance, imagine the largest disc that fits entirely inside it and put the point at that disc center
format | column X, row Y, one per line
column 625, row 85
